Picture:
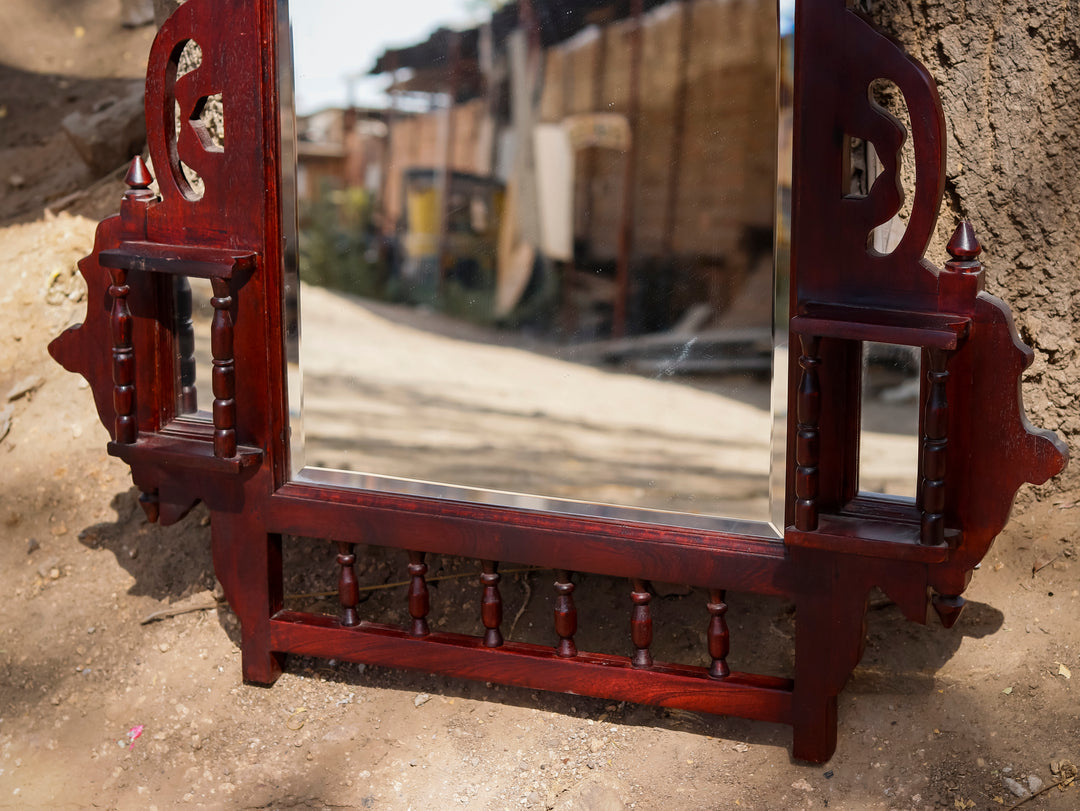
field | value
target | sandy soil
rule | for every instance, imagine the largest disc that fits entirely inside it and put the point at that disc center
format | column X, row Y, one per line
column 931, row 719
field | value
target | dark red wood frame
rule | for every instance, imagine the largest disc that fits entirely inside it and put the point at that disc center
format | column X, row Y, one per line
column 977, row 447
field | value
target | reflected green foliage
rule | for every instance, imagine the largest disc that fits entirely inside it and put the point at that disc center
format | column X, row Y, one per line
column 340, row 247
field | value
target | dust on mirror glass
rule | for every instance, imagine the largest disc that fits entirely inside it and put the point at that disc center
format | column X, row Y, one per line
column 539, row 249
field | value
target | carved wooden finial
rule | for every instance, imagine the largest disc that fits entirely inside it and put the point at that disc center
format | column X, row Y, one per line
column 962, row 279
column 151, row 505
column 138, row 176
column 948, row 608
column 964, row 245
column 137, row 199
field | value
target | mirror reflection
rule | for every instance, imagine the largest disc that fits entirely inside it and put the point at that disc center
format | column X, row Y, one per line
column 540, row 248
column 889, row 450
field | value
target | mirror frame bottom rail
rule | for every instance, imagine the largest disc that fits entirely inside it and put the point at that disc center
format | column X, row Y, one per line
column 976, row 449
column 828, row 630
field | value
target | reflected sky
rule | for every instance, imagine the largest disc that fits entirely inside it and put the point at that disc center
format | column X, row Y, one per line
column 330, row 58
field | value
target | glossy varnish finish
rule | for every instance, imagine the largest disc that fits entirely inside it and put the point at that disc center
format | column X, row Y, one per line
column 838, row 545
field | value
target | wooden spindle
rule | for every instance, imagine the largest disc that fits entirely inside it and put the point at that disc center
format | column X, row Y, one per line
column 185, row 345
column 934, row 448
column 959, row 285
column 719, row 642
column 125, row 426
column 565, row 614
column 223, row 379
column 641, row 630
column 808, row 443
column 348, row 588
column 419, row 599
column 137, row 199
column 491, row 608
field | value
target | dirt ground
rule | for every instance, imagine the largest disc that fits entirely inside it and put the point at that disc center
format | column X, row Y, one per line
column 931, row 718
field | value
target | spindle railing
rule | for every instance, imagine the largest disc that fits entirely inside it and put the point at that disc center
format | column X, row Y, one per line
column 565, row 615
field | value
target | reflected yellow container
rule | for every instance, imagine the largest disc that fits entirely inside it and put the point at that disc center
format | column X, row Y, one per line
column 421, row 206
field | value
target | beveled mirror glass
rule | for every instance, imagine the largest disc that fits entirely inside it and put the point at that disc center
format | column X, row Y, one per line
column 536, row 251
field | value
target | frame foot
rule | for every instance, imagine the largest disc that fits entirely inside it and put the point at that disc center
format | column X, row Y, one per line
column 250, row 574
column 259, row 666
column 814, row 738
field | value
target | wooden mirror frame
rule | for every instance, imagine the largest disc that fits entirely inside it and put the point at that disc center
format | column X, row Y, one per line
column 976, row 445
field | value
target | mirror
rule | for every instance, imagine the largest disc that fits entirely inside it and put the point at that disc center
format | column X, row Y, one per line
column 889, row 446
column 535, row 254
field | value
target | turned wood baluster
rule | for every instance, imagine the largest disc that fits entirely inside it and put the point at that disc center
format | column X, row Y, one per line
column 808, row 443
column 491, row 608
column 719, row 643
column 959, row 285
column 565, row 614
column 185, row 345
column 223, row 378
column 133, row 225
column 641, row 623
column 348, row 588
column 419, row 599
column 123, row 359
column 934, row 446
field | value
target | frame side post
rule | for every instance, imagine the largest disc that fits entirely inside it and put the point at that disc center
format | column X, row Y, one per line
column 247, row 560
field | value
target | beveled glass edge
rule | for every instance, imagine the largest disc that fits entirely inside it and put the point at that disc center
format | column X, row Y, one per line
column 781, row 285
column 290, row 248
column 300, row 473
column 353, row 480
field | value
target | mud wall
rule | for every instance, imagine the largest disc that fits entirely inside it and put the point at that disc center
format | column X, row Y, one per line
column 1009, row 76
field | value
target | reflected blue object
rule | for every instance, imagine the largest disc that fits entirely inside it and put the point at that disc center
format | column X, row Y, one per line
column 787, row 17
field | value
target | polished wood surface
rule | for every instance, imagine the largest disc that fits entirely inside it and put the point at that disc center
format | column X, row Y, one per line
column 977, row 447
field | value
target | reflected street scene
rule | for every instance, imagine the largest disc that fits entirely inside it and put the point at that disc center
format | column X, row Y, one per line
column 539, row 249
